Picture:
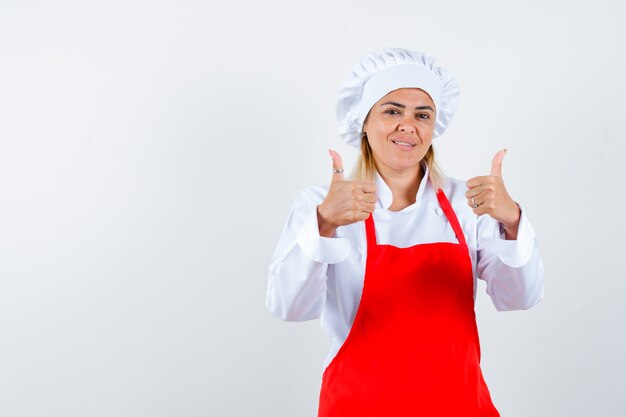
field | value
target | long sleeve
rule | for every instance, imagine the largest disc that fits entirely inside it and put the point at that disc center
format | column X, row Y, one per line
column 512, row 269
column 296, row 288
column 316, row 277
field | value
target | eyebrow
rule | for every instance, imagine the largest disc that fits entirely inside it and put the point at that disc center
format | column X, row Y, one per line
column 402, row 106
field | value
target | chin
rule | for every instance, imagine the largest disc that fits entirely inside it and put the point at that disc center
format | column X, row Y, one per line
column 407, row 162
column 404, row 166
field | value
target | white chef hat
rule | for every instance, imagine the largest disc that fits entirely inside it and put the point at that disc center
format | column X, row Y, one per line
column 379, row 73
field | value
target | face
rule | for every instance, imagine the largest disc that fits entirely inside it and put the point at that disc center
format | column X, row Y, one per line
column 400, row 130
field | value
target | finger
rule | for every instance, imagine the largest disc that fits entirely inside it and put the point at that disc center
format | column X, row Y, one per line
column 361, row 216
column 478, row 211
column 368, row 186
column 477, row 200
column 475, row 182
column 473, row 203
column 496, row 163
column 472, row 192
column 366, row 207
column 370, row 198
column 337, row 164
column 479, row 205
column 364, row 197
column 476, row 191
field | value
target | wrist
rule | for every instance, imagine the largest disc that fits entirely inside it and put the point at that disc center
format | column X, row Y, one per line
column 326, row 228
column 513, row 220
column 510, row 214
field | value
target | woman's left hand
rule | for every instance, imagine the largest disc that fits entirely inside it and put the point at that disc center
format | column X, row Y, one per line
column 488, row 195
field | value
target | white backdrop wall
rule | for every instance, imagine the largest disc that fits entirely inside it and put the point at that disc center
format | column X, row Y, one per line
column 150, row 151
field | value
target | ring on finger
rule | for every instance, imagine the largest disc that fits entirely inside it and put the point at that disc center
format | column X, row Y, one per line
column 474, row 205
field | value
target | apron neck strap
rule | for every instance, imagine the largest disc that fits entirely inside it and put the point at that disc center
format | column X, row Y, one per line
column 454, row 222
column 370, row 231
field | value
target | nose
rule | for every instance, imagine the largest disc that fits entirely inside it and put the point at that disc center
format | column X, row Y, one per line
column 406, row 125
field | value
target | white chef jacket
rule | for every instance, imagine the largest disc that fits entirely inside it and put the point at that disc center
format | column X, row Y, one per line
column 311, row 276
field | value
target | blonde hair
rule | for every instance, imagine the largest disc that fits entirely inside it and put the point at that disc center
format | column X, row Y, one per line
column 365, row 167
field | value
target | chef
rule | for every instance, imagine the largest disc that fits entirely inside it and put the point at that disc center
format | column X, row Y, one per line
column 388, row 257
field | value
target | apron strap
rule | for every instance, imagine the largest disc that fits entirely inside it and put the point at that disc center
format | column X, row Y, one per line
column 454, row 222
column 370, row 232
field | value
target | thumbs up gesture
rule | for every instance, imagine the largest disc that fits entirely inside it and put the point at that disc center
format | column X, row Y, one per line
column 488, row 195
column 346, row 202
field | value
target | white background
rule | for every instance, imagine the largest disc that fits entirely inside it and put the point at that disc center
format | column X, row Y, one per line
column 150, row 151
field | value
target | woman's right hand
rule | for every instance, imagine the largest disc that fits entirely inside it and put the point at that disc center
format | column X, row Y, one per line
column 347, row 201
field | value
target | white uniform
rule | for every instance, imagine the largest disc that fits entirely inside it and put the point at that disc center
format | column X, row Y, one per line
column 316, row 277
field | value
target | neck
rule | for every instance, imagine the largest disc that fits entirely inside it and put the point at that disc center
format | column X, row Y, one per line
column 403, row 185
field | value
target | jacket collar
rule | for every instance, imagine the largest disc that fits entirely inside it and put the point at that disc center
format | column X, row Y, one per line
column 385, row 197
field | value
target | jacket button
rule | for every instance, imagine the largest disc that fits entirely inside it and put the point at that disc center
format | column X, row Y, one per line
column 439, row 211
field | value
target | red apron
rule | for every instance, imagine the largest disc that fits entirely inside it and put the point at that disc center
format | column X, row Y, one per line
column 413, row 348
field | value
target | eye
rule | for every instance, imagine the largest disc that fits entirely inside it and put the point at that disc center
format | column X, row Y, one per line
column 392, row 111
column 424, row 116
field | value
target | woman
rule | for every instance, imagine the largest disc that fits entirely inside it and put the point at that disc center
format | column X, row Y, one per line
column 389, row 259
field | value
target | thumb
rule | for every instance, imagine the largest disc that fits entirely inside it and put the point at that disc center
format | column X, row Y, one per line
column 337, row 165
column 496, row 163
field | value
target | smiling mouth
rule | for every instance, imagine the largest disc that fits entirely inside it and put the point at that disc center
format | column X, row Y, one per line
column 401, row 143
